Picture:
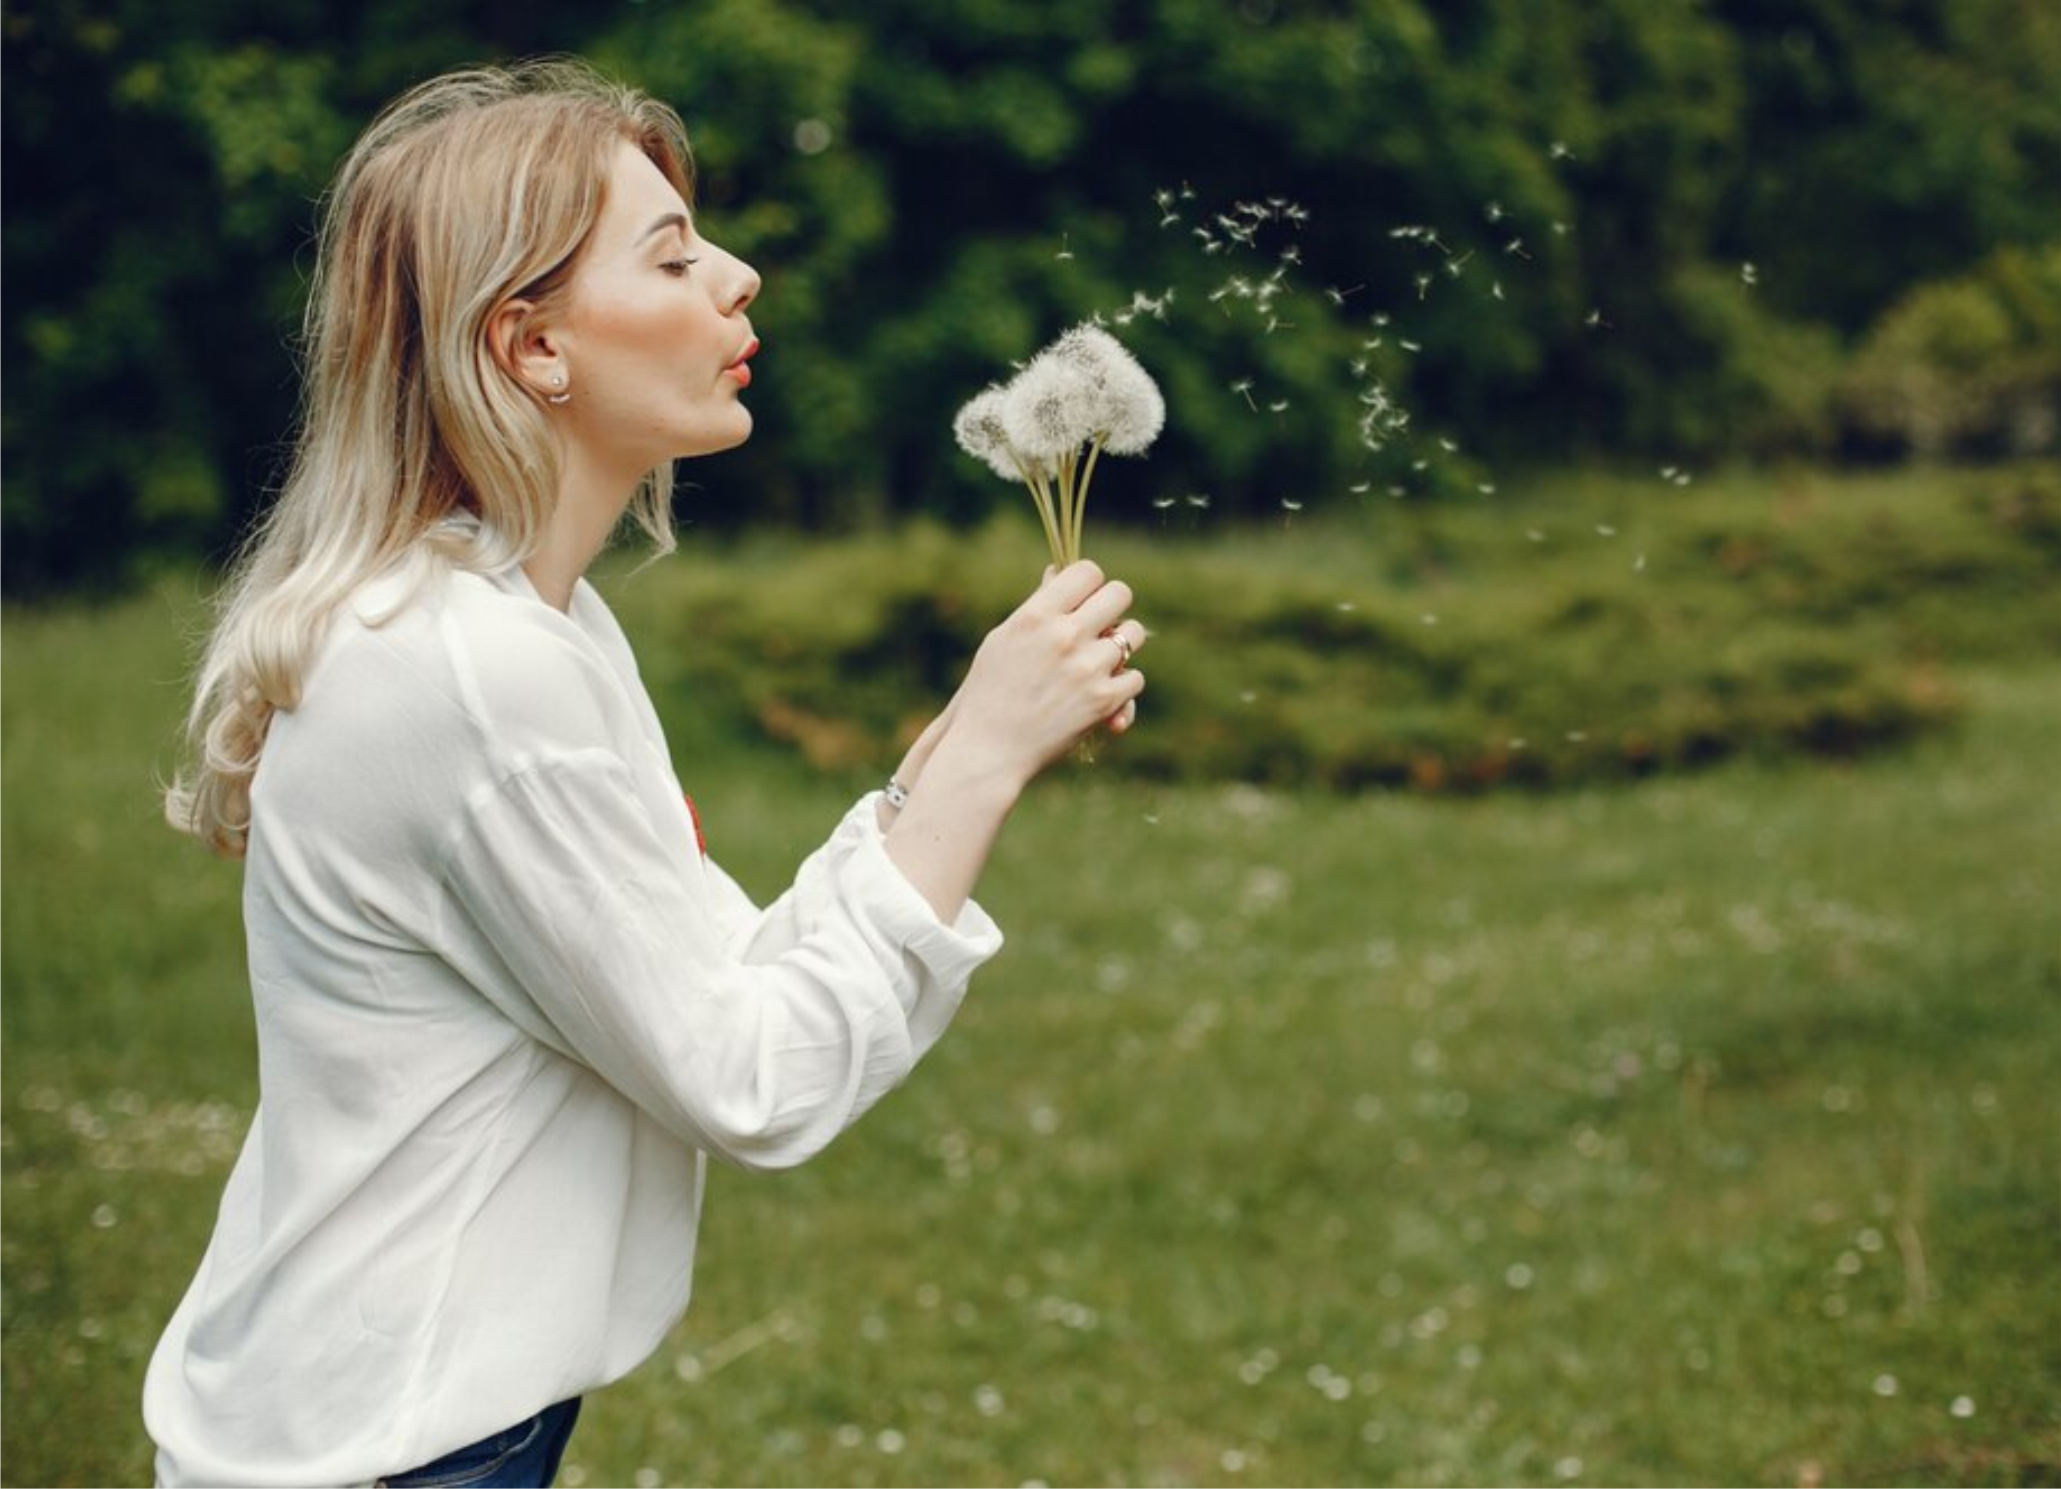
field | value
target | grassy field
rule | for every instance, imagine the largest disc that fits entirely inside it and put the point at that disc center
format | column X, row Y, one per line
column 1700, row 1130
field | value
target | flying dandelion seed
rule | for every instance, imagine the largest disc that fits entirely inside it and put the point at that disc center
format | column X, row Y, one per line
column 1278, row 406
column 1595, row 320
column 1360, row 488
column 1515, row 247
column 1493, row 211
column 1458, row 266
column 1496, row 288
column 1749, row 275
column 1359, row 367
column 1408, row 345
column 1065, row 252
column 1161, row 503
column 1292, row 254
column 1451, row 447
column 1605, row 530
column 1561, row 229
column 1243, row 388
column 1199, row 500
column 1339, row 296
column 1487, row 488
column 1290, row 506
column 1558, row 150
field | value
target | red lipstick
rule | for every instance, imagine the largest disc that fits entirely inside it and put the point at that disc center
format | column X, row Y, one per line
column 741, row 368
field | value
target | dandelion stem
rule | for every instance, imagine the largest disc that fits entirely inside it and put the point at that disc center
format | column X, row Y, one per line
column 1043, row 500
column 1080, row 494
column 1068, row 519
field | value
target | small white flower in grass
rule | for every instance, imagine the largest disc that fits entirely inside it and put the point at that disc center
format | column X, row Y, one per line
column 1964, row 1406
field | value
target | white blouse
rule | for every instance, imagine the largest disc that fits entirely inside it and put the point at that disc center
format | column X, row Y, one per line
column 505, row 1007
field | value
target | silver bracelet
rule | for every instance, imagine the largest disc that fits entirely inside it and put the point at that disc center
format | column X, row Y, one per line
column 897, row 794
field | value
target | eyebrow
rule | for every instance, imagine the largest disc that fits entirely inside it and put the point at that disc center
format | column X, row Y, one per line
column 671, row 219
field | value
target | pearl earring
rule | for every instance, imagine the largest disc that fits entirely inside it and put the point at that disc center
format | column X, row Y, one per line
column 558, row 381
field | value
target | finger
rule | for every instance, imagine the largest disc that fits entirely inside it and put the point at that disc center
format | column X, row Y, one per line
column 1124, row 718
column 1066, row 589
column 1105, row 607
column 1134, row 632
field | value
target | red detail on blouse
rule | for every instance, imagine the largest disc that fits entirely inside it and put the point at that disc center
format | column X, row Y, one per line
column 699, row 841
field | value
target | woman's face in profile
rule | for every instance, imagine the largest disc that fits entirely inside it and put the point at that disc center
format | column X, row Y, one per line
column 654, row 337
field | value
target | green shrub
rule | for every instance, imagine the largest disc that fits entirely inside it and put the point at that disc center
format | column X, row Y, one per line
column 1967, row 365
column 1434, row 649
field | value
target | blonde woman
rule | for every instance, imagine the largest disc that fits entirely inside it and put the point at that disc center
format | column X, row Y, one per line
column 506, row 1005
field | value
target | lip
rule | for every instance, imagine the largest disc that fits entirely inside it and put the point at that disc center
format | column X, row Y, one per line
column 741, row 368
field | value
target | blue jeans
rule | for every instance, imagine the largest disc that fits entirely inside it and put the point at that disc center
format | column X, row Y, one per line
column 526, row 1454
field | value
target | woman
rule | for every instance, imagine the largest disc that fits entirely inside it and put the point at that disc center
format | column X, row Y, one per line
column 506, row 1006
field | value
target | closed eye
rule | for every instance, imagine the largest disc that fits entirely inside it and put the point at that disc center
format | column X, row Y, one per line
column 678, row 267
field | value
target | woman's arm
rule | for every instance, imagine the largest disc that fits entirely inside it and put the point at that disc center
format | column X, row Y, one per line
column 1043, row 678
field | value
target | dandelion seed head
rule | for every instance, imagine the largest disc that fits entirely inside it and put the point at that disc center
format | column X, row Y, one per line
column 979, row 430
column 1048, row 409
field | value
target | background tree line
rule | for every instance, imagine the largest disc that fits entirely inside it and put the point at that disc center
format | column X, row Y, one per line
column 1550, row 230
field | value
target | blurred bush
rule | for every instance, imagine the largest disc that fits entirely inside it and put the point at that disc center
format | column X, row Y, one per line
column 1819, row 625
column 1968, row 365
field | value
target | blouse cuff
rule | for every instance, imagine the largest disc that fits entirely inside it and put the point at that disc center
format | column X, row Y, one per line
column 949, row 953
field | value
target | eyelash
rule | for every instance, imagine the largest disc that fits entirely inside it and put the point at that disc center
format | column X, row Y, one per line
column 678, row 267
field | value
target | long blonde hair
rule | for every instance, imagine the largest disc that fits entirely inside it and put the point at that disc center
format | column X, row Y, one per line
column 468, row 191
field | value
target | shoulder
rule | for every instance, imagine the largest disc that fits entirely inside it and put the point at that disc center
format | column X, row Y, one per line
column 458, row 659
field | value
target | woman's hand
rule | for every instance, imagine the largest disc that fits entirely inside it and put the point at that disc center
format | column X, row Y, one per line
column 1056, row 668
column 1048, row 674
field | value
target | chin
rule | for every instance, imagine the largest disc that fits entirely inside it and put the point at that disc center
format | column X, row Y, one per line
column 734, row 432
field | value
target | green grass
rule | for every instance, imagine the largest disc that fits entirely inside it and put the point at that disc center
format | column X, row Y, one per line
column 1700, row 1130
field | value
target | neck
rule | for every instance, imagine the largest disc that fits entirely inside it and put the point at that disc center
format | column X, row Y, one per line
column 591, row 501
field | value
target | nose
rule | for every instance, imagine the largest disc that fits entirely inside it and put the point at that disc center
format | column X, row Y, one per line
column 741, row 287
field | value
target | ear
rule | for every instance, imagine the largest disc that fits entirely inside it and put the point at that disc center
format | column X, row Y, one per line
column 527, row 348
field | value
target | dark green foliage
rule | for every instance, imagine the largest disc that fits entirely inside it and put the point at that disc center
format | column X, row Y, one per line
column 933, row 190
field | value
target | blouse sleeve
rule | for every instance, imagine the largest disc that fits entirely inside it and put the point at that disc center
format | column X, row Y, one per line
column 607, row 949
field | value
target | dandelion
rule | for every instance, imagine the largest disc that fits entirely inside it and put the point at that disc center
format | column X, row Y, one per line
column 1081, row 395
